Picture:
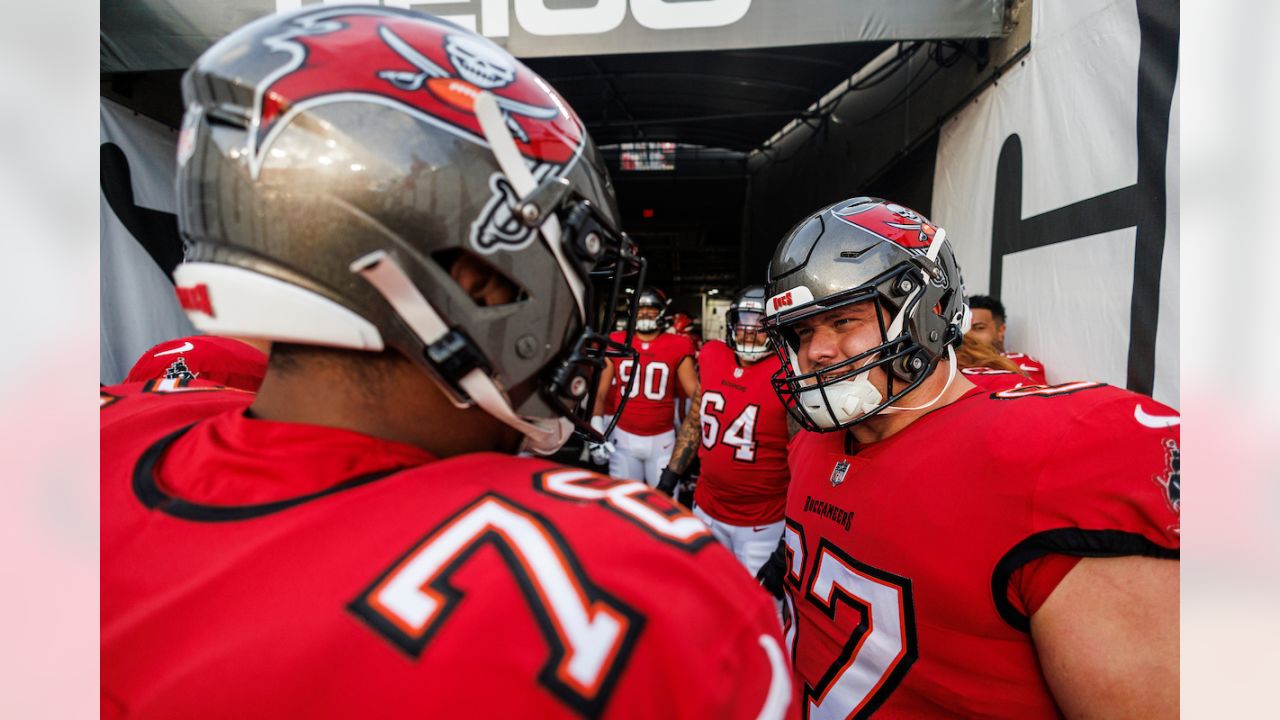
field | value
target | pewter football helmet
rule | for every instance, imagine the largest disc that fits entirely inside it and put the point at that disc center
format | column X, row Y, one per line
column 654, row 298
column 746, row 312
column 333, row 164
column 853, row 251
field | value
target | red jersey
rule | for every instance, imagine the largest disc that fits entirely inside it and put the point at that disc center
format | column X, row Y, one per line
column 651, row 407
column 224, row 361
column 744, row 439
column 903, row 552
column 1033, row 368
column 993, row 379
column 265, row 569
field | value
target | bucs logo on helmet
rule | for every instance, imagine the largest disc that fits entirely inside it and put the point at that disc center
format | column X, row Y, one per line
column 895, row 223
column 432, row 71
column 424, row 67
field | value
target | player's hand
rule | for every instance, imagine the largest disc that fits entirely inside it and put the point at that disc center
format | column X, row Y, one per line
column 773, row 572
column 600, row 452
column 668, row 480
column 684, row 492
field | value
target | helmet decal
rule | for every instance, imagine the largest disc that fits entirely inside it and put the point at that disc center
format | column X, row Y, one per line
column 421, row 66
column 893, row 222
column 799, row 295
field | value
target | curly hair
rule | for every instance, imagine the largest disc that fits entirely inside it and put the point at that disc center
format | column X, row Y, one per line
column 976, row 353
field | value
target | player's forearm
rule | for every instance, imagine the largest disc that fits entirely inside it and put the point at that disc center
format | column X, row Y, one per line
column 687, row 440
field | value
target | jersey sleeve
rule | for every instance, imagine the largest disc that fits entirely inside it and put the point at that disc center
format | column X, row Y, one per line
column 224, row 361
column 1109, row 489
column 1031, row 584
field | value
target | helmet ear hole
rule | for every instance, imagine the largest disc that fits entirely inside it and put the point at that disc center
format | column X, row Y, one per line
column 479, row 280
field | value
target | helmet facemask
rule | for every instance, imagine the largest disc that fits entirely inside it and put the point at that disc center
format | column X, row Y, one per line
column 746, row 335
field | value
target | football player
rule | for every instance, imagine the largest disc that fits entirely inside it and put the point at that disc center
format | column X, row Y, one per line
column 415, row 221
column 645, row 434
column 682, row 324
column 950, row 550
column 988, row 325
column 737, row 429
column 984, row 366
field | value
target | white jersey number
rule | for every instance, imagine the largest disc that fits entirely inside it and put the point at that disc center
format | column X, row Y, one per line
column 590, row 634
column 636, row 501
column 880, row 649
column 740, row 434
column 654, row 383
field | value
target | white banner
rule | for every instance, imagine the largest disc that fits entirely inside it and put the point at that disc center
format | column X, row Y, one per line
column 1054, row 180
column 138, row 306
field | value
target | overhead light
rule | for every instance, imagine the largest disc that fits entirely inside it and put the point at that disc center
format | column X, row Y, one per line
column 713, row 292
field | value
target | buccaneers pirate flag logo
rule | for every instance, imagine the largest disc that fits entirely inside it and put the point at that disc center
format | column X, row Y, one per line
column 894, row 223
column 425, row 67
column 429, row 69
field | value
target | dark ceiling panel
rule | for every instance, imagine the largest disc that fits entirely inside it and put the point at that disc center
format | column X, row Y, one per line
column 729, row 99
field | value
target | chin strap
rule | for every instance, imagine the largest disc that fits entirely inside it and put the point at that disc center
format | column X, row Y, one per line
column 513, row 166
column 386, row 276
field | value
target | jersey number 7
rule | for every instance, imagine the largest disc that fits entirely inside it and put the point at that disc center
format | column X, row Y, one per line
column 881, row 645
column 590, row 633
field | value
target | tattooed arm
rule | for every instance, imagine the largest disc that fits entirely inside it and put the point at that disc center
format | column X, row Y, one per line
column 689, row 436
column 686, row 445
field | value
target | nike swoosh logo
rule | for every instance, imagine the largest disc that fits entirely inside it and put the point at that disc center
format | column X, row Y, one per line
column 1029, row 368
column 181, row 349
column 756, row 529
column 1155, row 421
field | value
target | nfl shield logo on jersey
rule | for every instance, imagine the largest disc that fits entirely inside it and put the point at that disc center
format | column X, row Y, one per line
column 837, row 474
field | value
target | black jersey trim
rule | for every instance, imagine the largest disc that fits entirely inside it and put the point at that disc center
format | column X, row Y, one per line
column 1065, row 541
column 149, row 493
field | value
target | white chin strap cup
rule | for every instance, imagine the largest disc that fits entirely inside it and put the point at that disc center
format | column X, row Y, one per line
column 849, row 399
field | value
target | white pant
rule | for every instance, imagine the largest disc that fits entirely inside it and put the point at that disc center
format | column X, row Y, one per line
column 752, row 545
column 641, row 457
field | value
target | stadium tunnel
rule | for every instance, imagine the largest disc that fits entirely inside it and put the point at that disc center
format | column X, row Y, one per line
column 699, row 142
column 721, row 137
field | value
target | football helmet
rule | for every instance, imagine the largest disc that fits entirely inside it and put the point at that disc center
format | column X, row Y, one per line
column 334, row 163
column 654, row 298
column 857, row 250
column 746, row 313
column 681, row 323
